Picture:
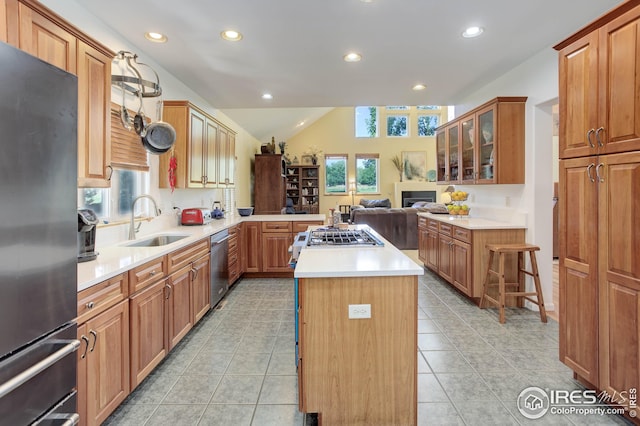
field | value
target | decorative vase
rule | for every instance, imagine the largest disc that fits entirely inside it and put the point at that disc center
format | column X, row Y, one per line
column 314, row 160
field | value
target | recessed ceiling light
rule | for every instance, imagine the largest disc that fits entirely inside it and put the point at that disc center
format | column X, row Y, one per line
column 231, row 35
column 419, row 86
column 300, row 124
column 472, row 32
column 352, row 57
column 366, row 1
column 267, row 96
column 156, row 37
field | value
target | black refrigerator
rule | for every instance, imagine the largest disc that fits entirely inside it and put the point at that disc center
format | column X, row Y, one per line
column 38, row 241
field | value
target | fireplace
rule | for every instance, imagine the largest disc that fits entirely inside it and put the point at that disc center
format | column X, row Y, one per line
column 410, row 197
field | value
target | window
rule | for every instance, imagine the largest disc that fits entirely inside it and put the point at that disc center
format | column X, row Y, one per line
column 366, row 122
column 397, row 108
column 335, row 181
column 367, row 172
column 115, row 203
column 427, row 124
column 431, row 107
column 397, row 125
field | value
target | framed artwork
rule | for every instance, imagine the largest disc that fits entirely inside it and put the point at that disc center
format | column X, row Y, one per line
column 306, row 160
column 414, row 166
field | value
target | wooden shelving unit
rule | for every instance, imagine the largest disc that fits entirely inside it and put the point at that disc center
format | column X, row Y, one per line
column 302, row 186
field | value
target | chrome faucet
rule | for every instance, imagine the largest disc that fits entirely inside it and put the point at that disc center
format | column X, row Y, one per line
column 132, row 230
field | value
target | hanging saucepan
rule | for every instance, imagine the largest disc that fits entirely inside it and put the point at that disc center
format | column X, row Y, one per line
column 139, row 121
column 160, row 136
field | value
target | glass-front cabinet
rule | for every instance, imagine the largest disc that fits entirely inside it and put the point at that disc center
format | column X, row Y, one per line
column 441, row 153
column 485, row 145
column 453, row 147
column 468, row 165
column 486, row 151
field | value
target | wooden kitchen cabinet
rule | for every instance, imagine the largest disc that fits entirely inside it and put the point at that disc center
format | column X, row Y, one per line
column 202, row 148
column 485, row 145
column 201, row 287
column 149, row 341
column 578, row 292
column 276, row 239
column 179, row 305
column 227, row 157
column 269, row 187
column 599, row 177
column 39, row 31
column 103, row 364
column 234, row 262
column 599, row 82
column 619, row 272
column 103, row 356
column 458, row 255
column 251, row 247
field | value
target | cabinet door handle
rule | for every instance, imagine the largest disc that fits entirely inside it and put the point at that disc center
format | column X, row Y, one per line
column 85, row 339
column 600, row 129
column 589, row 133
column 598, row 175
column 589, row 167
column 110, row 172
column 168, row 287
column 194, row 273
column 95, row 339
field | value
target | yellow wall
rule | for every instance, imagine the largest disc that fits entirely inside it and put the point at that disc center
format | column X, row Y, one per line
column 334, row 133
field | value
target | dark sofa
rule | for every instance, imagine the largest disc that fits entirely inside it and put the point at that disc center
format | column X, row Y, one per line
column 397, row 225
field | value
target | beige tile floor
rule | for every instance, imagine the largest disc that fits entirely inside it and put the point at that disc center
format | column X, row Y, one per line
column 237, row 366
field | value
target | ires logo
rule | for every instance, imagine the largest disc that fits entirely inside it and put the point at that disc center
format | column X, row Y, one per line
column 534, row 402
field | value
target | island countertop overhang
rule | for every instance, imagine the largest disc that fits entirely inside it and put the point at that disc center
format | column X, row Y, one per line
column 361, row 261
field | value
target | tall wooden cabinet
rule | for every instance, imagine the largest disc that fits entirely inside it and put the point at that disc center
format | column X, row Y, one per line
column 485, row 145
column 37, row 30
column 204, row 148
column 599, row 211
column 269, row 184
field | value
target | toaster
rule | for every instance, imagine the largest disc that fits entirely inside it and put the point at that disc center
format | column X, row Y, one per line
column 196, row 216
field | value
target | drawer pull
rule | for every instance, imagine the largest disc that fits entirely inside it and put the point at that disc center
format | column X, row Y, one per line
column 86, row 348
column 90, row 305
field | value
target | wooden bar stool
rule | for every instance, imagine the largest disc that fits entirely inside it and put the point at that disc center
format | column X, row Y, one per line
column 502, row 250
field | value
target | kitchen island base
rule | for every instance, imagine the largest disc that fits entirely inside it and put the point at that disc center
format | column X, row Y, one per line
column 358, row 371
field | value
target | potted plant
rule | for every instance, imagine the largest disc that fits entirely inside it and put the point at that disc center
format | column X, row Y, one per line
column 314, row 151
column 397, row 162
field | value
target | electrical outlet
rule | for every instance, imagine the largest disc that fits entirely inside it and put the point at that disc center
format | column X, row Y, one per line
column 359, row 311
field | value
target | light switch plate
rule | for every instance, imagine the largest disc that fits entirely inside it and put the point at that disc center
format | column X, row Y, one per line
column 360, row 311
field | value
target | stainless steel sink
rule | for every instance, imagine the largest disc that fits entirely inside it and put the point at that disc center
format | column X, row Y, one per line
column 156, row 241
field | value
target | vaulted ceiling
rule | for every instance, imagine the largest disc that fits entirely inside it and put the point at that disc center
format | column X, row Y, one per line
column 294, row 49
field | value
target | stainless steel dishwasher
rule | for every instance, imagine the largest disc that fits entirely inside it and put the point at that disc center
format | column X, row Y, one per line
column 219, row 266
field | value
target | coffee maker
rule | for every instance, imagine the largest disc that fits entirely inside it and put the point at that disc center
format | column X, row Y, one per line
column 87, row 221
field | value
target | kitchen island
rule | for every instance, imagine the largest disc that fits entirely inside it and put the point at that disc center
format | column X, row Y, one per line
column 357, row 334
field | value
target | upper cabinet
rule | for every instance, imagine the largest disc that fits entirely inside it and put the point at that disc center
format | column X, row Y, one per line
column 599, row 85
column 486, row 145
column 204, row 148
column 30, row 26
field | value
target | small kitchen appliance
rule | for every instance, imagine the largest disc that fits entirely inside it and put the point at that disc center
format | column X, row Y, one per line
column 87, row 221
column 217, row 213
column 196, row 216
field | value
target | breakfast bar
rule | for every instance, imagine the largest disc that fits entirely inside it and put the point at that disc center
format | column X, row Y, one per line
column 357, row 334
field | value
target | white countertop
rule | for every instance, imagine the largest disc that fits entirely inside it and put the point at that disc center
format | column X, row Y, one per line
column 470, row 222
column 332, row 261
column 116, row 259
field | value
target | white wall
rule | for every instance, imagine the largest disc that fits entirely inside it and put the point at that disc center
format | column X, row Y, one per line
column 537, row 79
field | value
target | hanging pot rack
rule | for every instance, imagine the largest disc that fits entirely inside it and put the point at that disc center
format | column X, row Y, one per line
column 135, row 84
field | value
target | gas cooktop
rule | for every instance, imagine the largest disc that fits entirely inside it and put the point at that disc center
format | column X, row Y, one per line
column 342, row 237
